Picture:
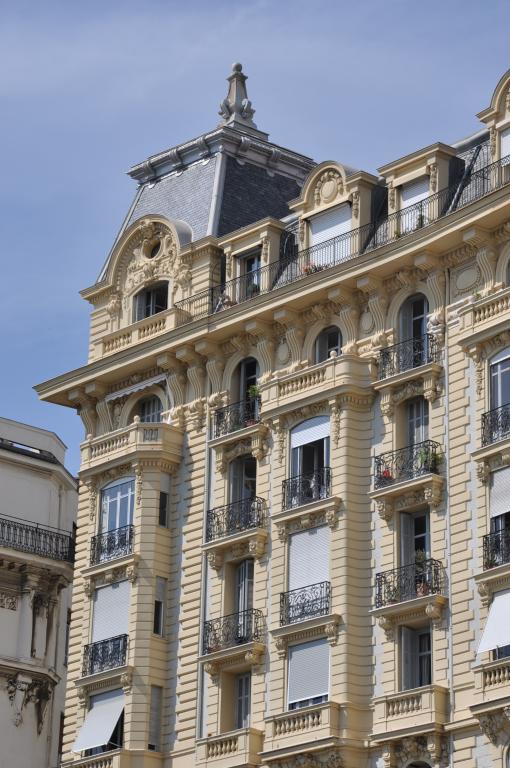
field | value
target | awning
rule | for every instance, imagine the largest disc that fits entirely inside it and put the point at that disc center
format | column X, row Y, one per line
column 497, row 629
column 105, row 710
column 135, row 387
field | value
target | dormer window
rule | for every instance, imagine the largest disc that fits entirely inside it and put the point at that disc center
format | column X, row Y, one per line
column 414, row 204
column 150, row 301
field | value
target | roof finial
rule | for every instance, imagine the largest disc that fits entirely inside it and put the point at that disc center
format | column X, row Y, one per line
column 236, row 108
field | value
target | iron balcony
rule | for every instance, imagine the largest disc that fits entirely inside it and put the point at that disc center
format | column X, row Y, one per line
column 496, row 549
column 496, row 425
column 111, row 544
column 36, row 539
column 234, row 629
column 104, row 655
column 407, row 355
column 305, row 603
column 408, row 582
column 236, row 416
column 407, row 463
column 304, row 489
column 233, row 518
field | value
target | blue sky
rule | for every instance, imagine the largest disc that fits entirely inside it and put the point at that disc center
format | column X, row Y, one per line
column 89, row 89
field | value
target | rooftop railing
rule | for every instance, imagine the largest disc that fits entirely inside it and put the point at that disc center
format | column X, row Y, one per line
column 233, row 518
column 407, row 355
column 36, row 539
column 305, row 603
column 407, row 463
column 104, row 655
column 234, row 629
column 348, row 245
column 408, row 582
column 111, row 544
column 496, row 424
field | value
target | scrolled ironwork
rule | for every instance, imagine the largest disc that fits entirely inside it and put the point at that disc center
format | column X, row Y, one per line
column 305, row 603
column 234, row 629
column 105, row 654
column 296, row 265
column 496, row 549
column 235, row 517
column 236, row 416
column 304, row 489
column 408, row 582
column 407, row 463
column 111, row 544
column 36, row 539
column 496, row 425
column 407, row 355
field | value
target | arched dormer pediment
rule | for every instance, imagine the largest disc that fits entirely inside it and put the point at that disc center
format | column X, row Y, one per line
column 500, row 101
column 326, row 185
column 148, row 251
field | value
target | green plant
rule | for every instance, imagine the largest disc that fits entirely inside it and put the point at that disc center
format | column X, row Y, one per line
column 253, row 391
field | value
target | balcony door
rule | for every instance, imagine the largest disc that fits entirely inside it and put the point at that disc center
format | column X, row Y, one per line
column 243, row 479
column 413, row 318
column 309, row 457
column 248, row 374
column 250, row 273
column 117, row 504
column 244, row 599
column 417, row 421
column 414, row 536
column 500, row 380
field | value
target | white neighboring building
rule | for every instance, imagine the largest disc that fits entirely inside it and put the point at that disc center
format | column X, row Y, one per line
column 38, row 501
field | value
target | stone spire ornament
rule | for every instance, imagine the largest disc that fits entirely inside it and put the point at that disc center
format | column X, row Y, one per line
column 236, row 109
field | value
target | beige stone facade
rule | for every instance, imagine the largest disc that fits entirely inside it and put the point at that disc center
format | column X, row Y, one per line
column 294, row 470
column 38, row 499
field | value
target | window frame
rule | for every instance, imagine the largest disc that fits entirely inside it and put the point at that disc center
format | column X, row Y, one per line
column 105, row 514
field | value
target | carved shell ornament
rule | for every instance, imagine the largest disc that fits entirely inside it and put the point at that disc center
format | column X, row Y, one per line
column 329, row 186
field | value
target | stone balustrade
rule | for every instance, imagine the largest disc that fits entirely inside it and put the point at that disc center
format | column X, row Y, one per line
column 240, row 747
column 424, row 706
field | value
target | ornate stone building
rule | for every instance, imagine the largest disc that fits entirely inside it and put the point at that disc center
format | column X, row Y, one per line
column 293, row 544
column 38, row 499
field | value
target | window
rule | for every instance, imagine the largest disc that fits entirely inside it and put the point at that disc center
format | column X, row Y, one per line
column 308, row 674
column 309, row 469
column 117, row 501
column 414, row 536
column 159, row 607
column 496, row 635
column 248, row 373
column 60, row 736
column 150, row 301
column 416, row 657
column 417, row 421
column 329, row 238
column 154, row 743
column 250, row 274
column 150, row 409
column 414, row 204
column 242, row 685
column 243, row 478
column 103, row 728
column 413, row 317
column 500, row 380
column 111, row 611
column 308, row 578
column 327, row 341
column 163, row 509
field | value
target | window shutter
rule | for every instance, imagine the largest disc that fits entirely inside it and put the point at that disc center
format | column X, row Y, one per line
column 309, row 431
column 505, row 144
column 499, row 495
column 409, row 656
column 111, row 611
column 155, row 717
column 309, row 557
column 324, row 226
column 308, row 671
column 414, row 191
column 497, row 628
column 406, row 538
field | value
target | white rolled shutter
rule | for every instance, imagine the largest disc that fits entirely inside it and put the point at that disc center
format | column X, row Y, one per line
column 309, row 431
column 101, row 719
column 111, row 611
column 309, row 557
column 331, row 223
column 505, row 145
column 308, row 670
column 414, row 191
column 497, row 628
column 499, row 496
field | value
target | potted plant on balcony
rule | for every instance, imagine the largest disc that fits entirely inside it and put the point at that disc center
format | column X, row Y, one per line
column 420, row 573
column 252, row 405
column 311, row 268
column 386, row 476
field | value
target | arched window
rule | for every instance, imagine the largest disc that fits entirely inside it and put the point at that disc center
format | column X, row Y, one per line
column 117, row 504
column 243, row 479
column 329, row 340
column 150, row 409
column 244, row 382
column 150, row 301
column 413, row 317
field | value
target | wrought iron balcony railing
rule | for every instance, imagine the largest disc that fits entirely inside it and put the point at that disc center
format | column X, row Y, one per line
column 496, row 549
column 496, row 425
column 305, row 603
column 234, row 629
column 407, row 355
column 408, row 582
column 111, row 544
column 104, row 655
column 407, row 463
column 234, row 518
column 386, row 229
column 236, row 416
column 303, row 489
column 36, row 539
